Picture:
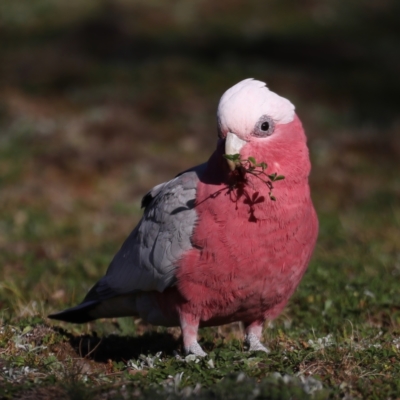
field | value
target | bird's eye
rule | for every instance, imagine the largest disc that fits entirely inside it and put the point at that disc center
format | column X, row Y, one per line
column 264, row 127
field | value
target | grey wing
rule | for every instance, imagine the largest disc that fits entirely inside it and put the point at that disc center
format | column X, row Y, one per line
column 148, row 258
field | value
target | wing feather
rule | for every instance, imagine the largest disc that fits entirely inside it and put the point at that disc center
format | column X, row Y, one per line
column 148, row 258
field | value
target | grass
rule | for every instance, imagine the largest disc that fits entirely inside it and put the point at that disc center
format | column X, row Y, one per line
column 83, row 137
column 339, row 335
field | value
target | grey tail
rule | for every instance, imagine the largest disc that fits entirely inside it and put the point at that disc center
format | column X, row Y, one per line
column 78, row 314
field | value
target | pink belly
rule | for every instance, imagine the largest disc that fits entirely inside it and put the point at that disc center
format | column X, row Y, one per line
column 240, row 270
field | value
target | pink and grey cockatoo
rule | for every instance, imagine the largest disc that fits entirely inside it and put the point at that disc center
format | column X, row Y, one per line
column 213, row 247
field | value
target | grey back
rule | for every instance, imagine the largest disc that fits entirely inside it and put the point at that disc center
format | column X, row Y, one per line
column 148, row 258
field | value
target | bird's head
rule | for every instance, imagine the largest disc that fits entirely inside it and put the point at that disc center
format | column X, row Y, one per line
column 250, row 116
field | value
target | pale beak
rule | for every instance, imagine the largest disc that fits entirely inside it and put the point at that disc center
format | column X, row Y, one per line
column 233, row 145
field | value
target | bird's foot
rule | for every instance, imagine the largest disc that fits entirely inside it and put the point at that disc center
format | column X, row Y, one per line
column 195, row 349
column 254, row 343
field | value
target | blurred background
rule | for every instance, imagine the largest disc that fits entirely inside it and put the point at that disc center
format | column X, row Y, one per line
column 101, row 100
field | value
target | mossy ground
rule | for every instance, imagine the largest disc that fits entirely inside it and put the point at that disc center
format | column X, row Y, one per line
column 88, row 130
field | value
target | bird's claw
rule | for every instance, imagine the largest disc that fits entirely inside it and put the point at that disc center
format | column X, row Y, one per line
column 195, row 349
column 254, row 343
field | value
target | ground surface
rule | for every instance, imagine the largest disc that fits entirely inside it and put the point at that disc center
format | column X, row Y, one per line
column 96, row 108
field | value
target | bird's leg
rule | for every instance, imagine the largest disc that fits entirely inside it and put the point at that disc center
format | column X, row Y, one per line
column 189, row 327
column 253, row 336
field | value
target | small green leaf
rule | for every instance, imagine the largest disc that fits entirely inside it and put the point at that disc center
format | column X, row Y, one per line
column 279, row 178
column 232, row 157
column 263, row 165
column 252, row 160
column 227, row 156
column 27, row 329
column 272, row 176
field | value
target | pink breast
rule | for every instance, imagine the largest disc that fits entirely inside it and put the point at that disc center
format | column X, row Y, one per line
column 242, row 270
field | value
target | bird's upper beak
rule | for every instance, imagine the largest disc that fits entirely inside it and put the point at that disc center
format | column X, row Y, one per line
column 233, row 145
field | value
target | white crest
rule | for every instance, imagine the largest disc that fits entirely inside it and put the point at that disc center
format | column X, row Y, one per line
column 242, row 105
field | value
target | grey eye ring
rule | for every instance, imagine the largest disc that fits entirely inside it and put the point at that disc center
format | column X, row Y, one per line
column 265, row 126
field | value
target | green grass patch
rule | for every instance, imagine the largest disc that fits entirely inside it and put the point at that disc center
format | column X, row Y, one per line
column 86, row 133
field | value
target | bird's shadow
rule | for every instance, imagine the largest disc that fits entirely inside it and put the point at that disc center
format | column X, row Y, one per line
column 121, row 348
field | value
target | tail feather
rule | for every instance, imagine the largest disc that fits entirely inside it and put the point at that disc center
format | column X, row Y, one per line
column 78, row 314
column 89, row 310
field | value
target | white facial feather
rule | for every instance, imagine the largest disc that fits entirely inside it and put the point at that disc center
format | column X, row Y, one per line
column 243, row 104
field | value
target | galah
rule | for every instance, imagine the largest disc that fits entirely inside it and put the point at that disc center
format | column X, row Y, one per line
column 223, row 241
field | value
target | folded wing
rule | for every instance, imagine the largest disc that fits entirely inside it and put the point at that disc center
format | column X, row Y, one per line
column 148, row 259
